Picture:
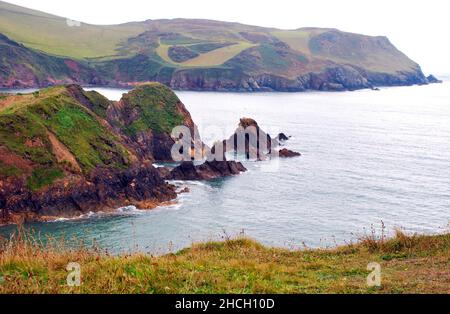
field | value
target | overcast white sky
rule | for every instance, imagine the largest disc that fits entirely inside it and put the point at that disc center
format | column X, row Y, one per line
column 417, row 27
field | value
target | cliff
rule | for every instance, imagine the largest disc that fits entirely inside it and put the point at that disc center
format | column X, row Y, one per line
column 65, row 151
column 189, row 54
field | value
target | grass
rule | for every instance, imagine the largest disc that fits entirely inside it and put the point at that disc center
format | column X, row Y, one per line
column 272, row 58
column 210, row 58
column 9, row 171
column 42, row 177
column 114, row 48
column 298, row 39
column 100, row 103
column 24, row 127
column 410, row 264
column 156, row 104
column 218, row 56
column 52, row 34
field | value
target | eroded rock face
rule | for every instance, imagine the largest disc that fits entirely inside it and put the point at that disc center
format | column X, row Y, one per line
column 105, row 190
column 206, row 171
column 146, row 116
column 101, row 161
column 249, row 140
column 334, row 78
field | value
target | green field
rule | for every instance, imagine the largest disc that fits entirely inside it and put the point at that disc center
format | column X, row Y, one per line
column 212, row 58
column 53, row 35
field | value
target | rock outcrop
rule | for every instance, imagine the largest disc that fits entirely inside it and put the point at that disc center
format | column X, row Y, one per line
column 433, row 80
column 145, row 118
column 282, row 137
column 206, row 171
column 104, row 190
column 253, row 143
column 65, row 152
column 248, row 140
column 286, row 153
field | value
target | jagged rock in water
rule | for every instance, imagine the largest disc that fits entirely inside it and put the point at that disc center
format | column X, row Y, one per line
column 282, row 137
column 286, row 153
column 253, row 142
column 249, row 140
column 206, row 171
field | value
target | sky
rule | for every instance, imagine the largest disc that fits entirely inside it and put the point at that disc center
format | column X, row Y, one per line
column 418, row 28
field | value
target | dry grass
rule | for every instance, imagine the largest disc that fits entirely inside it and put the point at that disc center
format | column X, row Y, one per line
column 410, row 264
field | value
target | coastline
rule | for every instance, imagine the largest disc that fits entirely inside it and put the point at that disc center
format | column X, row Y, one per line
column 144, row 206
column 31, row 88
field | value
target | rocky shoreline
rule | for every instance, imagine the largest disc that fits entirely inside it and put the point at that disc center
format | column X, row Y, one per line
column 337, row 79
column 66, row 152
column 334, row 79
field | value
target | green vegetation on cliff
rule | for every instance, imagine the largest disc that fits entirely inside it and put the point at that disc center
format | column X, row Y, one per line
column 65, row 151
column 409, row 264
column 157, row 109
column 64, row 131
column 38, row 127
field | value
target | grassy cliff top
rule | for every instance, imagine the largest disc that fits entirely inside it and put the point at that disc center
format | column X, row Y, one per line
column 157, row 108
column 44, row 135
column 409, row 264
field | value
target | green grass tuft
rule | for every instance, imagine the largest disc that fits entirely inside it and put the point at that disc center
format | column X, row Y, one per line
column 42, row 177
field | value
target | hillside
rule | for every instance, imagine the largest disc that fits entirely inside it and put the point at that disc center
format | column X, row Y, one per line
column 25, row 67
column 409, row 264
column 209, row 55
column 61, row 155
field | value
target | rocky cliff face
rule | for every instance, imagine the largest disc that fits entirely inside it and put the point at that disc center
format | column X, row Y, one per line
column 145, row 118
column 253, row 143
column 335, row 78
column 65, row 151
